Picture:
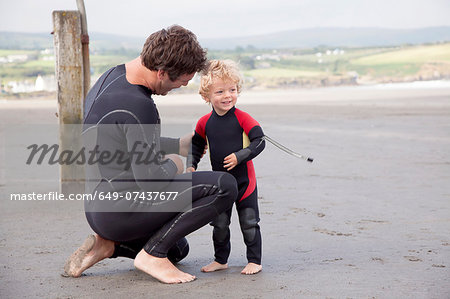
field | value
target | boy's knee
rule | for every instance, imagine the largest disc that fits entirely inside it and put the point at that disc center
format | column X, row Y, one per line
column 222, row 221
column 228, row 188
column 249, row 223
column 220, row 234
column 221, row 227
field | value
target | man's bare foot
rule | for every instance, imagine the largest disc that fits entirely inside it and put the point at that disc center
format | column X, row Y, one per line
column 214, row 266
column 160, row 268
column 93, row 250
column 251, row 268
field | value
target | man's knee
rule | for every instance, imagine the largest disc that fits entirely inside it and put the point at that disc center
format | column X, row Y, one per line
column 249, row 223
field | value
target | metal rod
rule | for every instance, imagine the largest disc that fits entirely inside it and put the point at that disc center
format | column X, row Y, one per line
column 287, row 150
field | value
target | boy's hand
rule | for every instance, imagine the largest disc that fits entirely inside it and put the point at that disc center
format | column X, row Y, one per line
column 230, row 162
column 190, row 169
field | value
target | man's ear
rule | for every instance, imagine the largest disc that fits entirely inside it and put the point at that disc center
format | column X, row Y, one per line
column 161, row 74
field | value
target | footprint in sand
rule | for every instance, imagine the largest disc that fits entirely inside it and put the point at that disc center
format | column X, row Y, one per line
column 333, row 260
column 438, row 266
column 412, row 258
column 378, row 259
column 330, row 232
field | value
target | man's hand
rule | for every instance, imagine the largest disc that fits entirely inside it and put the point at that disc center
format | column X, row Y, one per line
column 185, row 144
column 204, row 150
column 177, row 161
column 230, row 162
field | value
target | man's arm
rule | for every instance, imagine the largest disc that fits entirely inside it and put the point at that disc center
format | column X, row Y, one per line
column 170, row 145
column 150, row 168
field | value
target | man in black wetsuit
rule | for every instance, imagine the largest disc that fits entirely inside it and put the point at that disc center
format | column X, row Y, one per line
column 119, row 108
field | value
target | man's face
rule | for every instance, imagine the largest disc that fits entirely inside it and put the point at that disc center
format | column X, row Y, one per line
column 167, row 85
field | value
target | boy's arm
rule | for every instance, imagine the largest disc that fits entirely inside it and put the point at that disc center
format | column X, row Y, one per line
column 255, row 134
column 198, row 143
column 197, row 150
column 256, row 146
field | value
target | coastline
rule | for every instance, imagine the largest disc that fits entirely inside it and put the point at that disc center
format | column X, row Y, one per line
column 291, row 96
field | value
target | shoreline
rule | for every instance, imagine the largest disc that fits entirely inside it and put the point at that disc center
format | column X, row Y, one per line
column 288, row 96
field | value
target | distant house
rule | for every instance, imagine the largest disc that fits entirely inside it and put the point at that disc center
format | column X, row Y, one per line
column 17, row 58
column 274, row 57
column 19, row 86
column 41, row 83
column 46, row 83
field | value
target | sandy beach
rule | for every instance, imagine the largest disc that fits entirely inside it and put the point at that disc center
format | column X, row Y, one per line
column 369, row 218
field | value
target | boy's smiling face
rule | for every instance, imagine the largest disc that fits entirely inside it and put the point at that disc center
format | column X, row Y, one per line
column 222, row 95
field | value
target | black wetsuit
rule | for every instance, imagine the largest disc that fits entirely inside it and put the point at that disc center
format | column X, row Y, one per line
column 125, row 120
column 235, row 132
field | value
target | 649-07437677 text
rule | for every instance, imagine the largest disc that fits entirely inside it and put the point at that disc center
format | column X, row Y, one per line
column 102, row 196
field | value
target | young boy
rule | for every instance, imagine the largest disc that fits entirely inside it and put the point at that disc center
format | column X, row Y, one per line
column 234, row 138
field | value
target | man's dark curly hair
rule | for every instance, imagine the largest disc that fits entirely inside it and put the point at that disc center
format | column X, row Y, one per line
column 174, row 50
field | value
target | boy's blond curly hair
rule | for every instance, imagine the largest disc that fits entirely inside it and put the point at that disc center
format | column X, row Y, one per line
column 226, row 70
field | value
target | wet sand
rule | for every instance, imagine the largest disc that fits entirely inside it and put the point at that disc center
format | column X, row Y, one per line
column 369, row 218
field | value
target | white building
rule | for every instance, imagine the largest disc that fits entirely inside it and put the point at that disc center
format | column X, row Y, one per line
column 46, row 83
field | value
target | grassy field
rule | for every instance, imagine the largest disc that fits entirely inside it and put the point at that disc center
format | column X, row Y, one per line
column 277, row 72
column 37, row 64
column 6, row 52
column 414, row 55
column 319, row 66
column 401, row 62
column 371, row 64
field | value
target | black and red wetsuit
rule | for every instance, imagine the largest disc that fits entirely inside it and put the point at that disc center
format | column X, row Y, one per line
column 234, row 132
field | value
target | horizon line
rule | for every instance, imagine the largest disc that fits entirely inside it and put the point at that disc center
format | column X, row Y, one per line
column 248, row 35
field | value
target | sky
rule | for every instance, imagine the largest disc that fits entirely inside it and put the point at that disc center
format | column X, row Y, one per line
column 226, row 18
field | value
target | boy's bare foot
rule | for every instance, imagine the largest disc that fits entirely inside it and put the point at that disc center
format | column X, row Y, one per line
column 214, row 266
column 160, row 268
column 251, row 268
column 93, row 250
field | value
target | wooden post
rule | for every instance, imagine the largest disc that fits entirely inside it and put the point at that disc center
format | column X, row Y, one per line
column 69, row 76
column 85, row 47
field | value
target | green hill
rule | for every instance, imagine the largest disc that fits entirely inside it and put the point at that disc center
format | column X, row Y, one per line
column 301, row 38
column 272, row 68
